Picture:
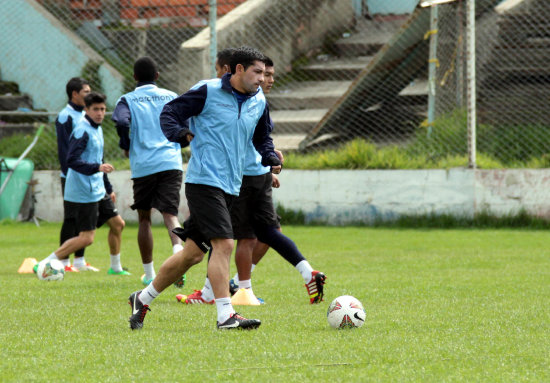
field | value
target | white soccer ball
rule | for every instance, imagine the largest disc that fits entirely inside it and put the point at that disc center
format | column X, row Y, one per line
column 346, row 312
column 51, row 270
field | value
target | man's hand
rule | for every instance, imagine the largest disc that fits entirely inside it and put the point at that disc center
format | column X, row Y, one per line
column 280, row 155
column 275, row 181
column 276, row 169
column 106, row 168
column 113, row 196
column 189, row 137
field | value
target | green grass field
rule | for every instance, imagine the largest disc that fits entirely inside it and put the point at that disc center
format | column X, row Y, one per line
column 442, row 306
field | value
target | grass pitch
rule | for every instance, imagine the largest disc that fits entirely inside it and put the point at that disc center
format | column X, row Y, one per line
column 442, row 306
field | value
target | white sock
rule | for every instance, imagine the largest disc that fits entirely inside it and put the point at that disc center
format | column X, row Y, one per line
column 236, row 279
column 66, row 261
column 79, row 262
column 207, row 292
column 49, row 258
column 225, row 309
column 149, row 271
column 115, row 263
column 245, row 284
column 148, row 294
column 305, row 269
column 176, row 248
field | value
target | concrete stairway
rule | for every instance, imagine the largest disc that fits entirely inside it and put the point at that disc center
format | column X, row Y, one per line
column 298, row 106
column 17, row 104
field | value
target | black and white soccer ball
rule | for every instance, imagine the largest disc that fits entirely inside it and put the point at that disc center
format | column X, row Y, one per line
column 346, row 312
column 51, row 270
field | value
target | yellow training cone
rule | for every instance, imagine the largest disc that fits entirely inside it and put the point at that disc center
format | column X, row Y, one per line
column 27, row 265
column 245, row 297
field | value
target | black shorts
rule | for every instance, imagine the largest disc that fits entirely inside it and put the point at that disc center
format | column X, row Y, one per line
column 89, row 216
column 106, row 210
column 209, row 209
column 159, row 190
column 253, row 205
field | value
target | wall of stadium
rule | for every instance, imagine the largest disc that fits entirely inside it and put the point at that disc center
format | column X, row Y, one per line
column 348, row 196
column 41, row 54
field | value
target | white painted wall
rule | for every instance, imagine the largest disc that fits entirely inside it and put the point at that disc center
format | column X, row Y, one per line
column 344, row 196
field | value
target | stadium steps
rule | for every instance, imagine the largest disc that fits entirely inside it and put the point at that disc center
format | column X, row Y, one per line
column 298, row 106
column 18, row 120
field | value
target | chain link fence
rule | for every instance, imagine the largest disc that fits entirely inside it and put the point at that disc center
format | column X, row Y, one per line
column 391, row 74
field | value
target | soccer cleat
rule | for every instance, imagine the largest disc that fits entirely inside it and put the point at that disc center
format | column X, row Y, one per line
column 71, row 269
column 146, row 282
column 34, row 268
column 315, row 287
column 180, row 282
column 139, row 310
column 196, row 298
column 122, row 272
column 236, row 321
column 233, row 287
column 86, row 267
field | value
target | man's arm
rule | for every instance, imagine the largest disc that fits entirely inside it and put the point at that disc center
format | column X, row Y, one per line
column 122, row 118
column 63, row 131
column 263, row 142
column 74, row 160
column 175, row 114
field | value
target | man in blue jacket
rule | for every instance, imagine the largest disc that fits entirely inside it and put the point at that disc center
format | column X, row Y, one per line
column 77, row 88
column 219, row 118
column 87, row 200
column 155, row 162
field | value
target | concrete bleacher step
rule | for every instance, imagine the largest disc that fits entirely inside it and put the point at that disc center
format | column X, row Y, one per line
column 15, row 101
column 296, row 121
column 345, row 68
column 307, row 95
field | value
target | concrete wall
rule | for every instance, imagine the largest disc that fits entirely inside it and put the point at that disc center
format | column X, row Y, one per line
column 298, row 32
column 341, row 196
column 41, row 55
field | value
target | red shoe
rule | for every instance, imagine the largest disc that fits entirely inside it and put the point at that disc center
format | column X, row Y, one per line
column 196, row 298
column 315, row 287
column 71, row 269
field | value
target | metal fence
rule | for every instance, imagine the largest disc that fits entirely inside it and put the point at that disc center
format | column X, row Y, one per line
column 347, row 70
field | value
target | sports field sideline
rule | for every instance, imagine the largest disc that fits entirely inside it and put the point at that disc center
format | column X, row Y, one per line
column 442, row 305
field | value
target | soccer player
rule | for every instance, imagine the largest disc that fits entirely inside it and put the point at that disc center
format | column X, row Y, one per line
column 224, row 116
column 77, row 88
column 155, row 162
column 88, row 201
column 253, row 216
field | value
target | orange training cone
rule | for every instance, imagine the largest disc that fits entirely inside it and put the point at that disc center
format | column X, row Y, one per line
column 27, row 265
column 245, row 297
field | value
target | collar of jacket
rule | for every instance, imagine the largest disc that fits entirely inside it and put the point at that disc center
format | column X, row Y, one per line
column 91, row 121
column 226, row 85
column 78, row 108
column 141, row 83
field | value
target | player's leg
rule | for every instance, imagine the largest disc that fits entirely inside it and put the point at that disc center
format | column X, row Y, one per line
column 176, row 265
column 68, row 231
column 266, row 225
column 145, row 244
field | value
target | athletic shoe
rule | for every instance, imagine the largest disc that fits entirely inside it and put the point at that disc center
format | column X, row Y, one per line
column 71, row 269
column 196, row 298
column 35, row 268
column 262, row 302
column 146, row 282
column 86, row 267
column 122, row 272
column 180, row 282
column 315, row 287
column 236, row 321
column 233, row 287
column 139, row 310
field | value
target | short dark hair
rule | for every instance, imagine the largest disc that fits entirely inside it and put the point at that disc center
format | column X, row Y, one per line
column 94, row 98
column 145, row 69
column 246, row 57
column 75, row 84
column 224, row 56
column 268, row 61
